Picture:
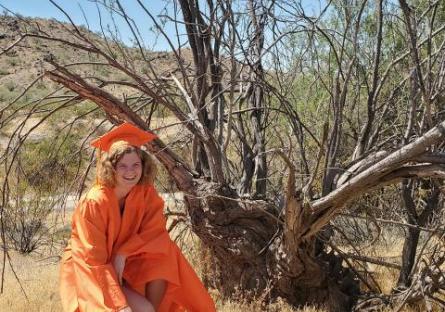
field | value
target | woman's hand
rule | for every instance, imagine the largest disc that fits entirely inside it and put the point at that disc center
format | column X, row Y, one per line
column 119, row 265
column 126, row 309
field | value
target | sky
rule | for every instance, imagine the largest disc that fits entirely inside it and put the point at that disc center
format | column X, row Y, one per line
column 79, row 9
column 44, row 9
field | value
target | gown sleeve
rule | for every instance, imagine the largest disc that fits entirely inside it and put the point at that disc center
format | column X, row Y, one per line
column 152, row 237
column 95, row 270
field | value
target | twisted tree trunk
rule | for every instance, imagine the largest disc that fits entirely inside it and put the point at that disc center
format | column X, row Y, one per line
column 256, row 252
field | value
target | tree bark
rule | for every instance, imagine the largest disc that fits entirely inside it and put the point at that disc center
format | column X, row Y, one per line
column 259, row 16
column 409, row 251
column 411, row 237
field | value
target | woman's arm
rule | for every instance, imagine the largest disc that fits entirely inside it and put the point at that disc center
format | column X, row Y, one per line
column 90, row 252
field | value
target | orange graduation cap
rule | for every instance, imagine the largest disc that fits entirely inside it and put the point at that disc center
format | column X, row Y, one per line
column 125, row 132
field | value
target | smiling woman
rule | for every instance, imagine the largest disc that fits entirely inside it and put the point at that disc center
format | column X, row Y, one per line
column 123, row 167
column 128, row 170
column 120, row 256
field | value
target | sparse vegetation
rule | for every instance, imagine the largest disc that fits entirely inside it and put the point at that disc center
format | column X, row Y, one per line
column 309, row 148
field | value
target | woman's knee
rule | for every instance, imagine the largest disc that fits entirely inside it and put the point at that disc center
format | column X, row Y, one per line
column 142, row 306
column 149, row 307
column 136, row 301
column 146, row 307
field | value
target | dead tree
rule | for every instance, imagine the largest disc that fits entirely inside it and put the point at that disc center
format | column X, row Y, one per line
column 271, row 251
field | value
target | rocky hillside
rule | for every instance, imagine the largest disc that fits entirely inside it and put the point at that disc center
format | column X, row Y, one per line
column 22, row 65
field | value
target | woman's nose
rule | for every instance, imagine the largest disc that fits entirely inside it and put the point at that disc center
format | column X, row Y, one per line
column 129, row 170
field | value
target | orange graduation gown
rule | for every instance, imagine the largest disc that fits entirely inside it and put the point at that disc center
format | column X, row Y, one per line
column 88, row 281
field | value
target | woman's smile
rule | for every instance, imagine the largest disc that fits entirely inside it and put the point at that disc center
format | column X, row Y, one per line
column 128, row 170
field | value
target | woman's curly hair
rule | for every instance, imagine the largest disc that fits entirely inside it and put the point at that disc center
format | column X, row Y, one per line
column 108, row 160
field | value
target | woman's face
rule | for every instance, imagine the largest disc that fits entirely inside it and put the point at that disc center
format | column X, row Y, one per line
column 128, row 170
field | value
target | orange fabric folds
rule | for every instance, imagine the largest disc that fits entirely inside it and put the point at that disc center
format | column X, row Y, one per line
column 88, row 281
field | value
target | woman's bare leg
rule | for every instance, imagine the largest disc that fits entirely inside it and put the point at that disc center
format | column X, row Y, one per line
column 137, row 302
column 154, row 291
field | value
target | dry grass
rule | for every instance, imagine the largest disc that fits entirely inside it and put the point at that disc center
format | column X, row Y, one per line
column 384, row 276
column 39, row 277
column 230, row 306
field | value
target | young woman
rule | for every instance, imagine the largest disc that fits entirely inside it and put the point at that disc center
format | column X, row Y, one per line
column 120, row 256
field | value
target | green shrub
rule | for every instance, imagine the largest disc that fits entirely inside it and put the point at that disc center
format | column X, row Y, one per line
column 13, row 61
column 10, row 86
column 4, row 72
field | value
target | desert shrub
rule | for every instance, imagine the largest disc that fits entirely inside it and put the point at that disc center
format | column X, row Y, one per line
column 10, row 86
column 33, row 203
column 48, row 163
column 37, row 190
column 13, row 61
column 25, row 220
column 4, row 72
